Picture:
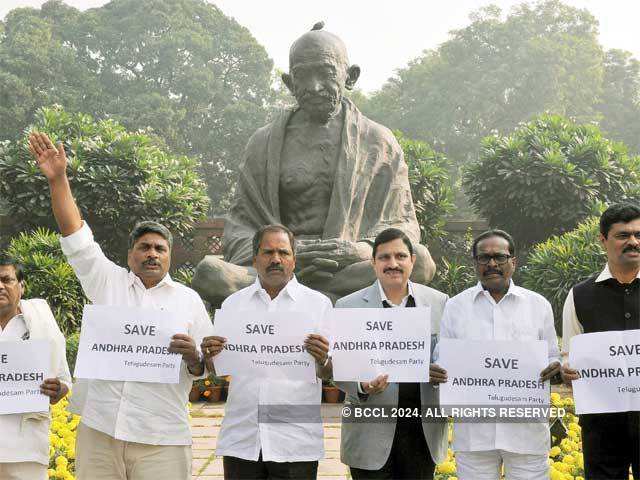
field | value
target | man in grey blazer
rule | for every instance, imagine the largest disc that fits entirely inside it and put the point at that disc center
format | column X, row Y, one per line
column 399, row 448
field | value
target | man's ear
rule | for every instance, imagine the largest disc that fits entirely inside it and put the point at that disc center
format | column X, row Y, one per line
column 353, row 73
column 22, row 288
column 288, row 81
column 602, row 241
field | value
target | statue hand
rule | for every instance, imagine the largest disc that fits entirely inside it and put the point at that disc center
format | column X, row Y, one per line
column 340, row 252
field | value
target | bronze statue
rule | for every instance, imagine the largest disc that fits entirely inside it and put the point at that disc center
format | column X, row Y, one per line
column 324, row 170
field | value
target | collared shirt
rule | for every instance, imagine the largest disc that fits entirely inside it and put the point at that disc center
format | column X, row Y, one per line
column 241, row 435
column 23, row 440
column 150, row 413
column 384, row 298
column 403, row 303
column 520, row 315
column 570, row 324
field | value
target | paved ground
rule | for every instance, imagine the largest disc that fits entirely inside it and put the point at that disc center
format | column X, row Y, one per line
column 205, row 422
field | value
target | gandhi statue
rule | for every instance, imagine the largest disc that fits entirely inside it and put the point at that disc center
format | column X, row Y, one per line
column 327, row 172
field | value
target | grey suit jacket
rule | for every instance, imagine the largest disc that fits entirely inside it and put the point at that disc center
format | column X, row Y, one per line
column 367, row 445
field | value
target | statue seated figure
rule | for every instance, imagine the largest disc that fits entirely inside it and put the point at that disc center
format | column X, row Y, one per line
column 327, row 172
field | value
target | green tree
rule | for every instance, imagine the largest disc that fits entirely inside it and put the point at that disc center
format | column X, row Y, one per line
column 430, row 186
column 620, row 100
column 547, row 176
column 197, row 78
column 494, row 73
column 118, row 178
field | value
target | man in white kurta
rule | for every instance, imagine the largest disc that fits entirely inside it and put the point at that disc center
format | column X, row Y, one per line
column 24, row 438
column 252, row 448
column 497, row 309
column 129, row 430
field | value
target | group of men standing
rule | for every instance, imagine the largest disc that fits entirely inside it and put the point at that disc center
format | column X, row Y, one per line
column 132, row 430
column 140, row 431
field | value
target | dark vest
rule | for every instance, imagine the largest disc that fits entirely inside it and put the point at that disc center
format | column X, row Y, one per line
column 408, row 393
column 608, row 305
column 601, row 307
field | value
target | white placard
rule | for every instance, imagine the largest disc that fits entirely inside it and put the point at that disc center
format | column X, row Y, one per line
column 24, row 365
column 609, row 368
column 367, row 342
column 493, row 372
column 265, row 344
column 128, row 344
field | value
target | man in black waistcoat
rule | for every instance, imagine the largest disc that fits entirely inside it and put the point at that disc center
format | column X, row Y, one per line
column 604, row 302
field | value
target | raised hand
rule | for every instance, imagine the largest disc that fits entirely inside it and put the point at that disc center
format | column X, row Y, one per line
column 51, row 159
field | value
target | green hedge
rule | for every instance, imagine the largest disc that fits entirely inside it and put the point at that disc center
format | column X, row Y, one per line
column 556, row 265
column 49, row 276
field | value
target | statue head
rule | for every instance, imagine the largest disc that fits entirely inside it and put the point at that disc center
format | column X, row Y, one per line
column 319, row 73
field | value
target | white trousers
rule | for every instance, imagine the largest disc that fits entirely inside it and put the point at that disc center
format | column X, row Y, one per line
column 23, row 471
column 486, row 465
column 102, row 457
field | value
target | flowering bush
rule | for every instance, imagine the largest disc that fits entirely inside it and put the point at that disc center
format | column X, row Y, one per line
column 62, row 438
column 566, row 461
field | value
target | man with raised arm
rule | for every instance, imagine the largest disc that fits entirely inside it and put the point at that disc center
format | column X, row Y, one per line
column 129, row 430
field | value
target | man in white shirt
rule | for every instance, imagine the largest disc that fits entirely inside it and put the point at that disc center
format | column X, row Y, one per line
column 24, row 438
column 253, row 449
column 608, row 301
column 129, row 430
column 497, row 309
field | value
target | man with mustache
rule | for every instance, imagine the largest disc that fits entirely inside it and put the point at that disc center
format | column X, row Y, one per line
column 283, row 448
column 331, row 175
column 497, row 309
column 406, row 448
column 129, row 430
column 24, row 442
column 607, row 301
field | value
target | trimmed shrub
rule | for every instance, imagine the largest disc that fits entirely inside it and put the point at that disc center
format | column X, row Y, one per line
column 118, row 178
column 547, row 176
column 49, row 276
column 73, row 341
column 556, row 265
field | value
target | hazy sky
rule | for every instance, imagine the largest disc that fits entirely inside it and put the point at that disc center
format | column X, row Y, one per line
column 382, row 36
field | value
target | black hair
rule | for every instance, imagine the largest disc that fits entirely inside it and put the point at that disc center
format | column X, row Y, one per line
column 389, row 235
column 276, row 227
column 6, row 260
column 618, row 213
column 493, row 233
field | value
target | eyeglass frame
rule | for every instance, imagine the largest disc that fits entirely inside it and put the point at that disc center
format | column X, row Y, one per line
column 506, row 256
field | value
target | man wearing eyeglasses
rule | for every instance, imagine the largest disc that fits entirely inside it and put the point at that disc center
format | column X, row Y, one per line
column 497, row 309
column 604, row 302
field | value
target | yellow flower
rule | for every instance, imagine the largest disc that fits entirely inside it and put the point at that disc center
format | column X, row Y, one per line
column 446, row 467
column 555, row 451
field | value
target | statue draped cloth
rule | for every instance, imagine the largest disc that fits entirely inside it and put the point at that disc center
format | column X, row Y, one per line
column 370, row 190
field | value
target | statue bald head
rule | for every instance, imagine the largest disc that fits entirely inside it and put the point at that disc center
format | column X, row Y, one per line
column 319, row 73
column 318, row 43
